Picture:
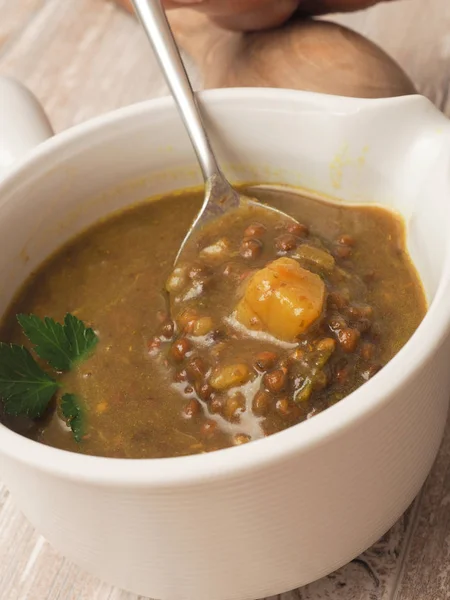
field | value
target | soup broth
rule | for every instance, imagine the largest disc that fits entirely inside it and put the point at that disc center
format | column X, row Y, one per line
column 222, row 363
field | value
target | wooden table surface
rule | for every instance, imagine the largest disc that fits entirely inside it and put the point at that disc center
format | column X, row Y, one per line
column 85, row 57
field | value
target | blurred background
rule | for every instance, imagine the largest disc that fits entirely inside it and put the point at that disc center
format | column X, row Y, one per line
column 85, row 57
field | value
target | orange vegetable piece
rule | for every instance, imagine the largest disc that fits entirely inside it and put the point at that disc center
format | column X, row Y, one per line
column 282, row 299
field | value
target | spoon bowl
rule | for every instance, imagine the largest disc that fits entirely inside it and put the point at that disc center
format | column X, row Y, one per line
column 220, row 200
column 220, row 196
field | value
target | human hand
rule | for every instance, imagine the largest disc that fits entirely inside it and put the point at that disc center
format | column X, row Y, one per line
column 248, row 15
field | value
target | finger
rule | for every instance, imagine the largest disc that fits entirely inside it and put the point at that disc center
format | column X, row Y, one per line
column 180, row 3
column 240, row 15
column 245, row 15
column 227, row 7
column 318, row 7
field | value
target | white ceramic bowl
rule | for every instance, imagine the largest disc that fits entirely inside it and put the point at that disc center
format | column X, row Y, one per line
column 275, row 514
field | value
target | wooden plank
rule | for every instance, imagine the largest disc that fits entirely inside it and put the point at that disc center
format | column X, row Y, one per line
column 14, row 17
column 82, row 58
column 426, row 571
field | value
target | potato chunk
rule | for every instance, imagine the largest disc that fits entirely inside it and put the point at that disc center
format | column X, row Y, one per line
column 282, row 299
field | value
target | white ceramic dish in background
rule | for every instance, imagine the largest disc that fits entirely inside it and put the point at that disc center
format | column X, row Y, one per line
column 259, row 519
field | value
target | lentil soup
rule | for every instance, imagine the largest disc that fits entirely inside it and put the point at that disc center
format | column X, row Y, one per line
column 265, row 325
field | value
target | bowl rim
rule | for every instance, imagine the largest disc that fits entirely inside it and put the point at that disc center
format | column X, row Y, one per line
column 235, row 461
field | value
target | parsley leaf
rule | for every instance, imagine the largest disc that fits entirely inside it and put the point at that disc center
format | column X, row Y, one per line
column 62, row 346
column 82, row 339
column 73, row 414
column 49, row 339
column 24, row 387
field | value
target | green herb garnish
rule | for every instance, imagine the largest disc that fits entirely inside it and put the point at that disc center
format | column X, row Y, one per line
column 25, row 388
column 73, row 414
column 62, row 346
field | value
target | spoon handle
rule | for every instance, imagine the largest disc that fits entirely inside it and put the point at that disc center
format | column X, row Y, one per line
column 154, row 21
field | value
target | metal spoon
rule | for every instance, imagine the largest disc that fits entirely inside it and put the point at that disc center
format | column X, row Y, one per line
column 220, row 196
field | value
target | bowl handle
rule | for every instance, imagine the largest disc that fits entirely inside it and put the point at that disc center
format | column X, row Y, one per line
column 23, row 122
